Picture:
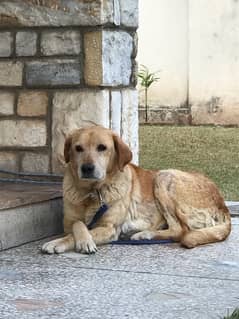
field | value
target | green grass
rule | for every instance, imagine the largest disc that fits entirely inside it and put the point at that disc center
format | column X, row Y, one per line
column 213, row 151
column 234, row 315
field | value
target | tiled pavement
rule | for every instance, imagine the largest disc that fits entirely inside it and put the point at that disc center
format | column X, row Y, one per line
column 159, row 281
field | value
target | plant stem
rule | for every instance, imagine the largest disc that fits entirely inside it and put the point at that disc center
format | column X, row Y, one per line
column 146, row 105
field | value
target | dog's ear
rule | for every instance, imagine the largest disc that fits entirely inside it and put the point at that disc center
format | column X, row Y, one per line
column 67, row 148
column 124, row 154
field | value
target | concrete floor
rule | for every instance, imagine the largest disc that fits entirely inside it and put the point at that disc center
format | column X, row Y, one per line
column 158, row 281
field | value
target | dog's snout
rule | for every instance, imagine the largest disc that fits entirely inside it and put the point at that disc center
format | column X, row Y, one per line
column 88, row 169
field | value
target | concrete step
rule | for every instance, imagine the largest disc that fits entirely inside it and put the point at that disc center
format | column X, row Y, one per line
column 234, row 208
column 29, row 212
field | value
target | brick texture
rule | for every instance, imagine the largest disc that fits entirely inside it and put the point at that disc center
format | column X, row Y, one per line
column 6, row 41
column 35, row 162
column 8, row 161
column 53, row 73
column 32, row 103
column 60, row 43
column 6, row 103
column 26, row 43
column 11, row 73
column 64, row 65
column 22, row 133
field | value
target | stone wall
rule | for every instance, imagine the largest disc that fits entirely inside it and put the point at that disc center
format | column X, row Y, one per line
column 63, row 65
column 166, row 115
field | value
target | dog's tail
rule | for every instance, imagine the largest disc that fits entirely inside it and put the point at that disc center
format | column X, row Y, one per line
column 209, row 234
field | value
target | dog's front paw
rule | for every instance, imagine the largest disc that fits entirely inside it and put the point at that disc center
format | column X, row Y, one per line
column 146, row 234
column 54, row 246
column 86, row 246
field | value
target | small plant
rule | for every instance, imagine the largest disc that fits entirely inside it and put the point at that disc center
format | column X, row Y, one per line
column 234, row 315
column 146, row 79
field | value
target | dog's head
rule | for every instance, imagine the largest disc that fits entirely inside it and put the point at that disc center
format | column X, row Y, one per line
column 95, row 152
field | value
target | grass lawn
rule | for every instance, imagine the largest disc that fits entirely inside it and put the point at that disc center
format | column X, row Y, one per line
column 234, row 315
column 213, row 151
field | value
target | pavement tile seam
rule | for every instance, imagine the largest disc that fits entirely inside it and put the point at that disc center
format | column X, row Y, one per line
column 139, row 272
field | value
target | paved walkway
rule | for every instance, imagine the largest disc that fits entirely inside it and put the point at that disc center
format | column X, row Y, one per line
column 158, row 281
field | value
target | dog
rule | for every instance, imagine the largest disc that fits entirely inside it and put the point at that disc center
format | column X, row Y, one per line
column 142, row 204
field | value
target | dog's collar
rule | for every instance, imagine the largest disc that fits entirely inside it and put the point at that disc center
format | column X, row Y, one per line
column 93, row 195
column 100, row 212
column 100, row 197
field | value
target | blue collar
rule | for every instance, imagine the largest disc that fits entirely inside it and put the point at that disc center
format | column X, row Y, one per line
column 100, row 212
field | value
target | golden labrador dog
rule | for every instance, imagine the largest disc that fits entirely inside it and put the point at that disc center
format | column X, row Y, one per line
column 142, row 204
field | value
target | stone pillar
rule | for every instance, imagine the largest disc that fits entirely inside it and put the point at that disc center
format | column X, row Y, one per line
column 63, row 65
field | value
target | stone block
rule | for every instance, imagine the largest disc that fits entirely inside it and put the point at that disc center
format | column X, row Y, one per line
column 31, row 222
column 93, row 68
column 32, row 13
column 11, row 73
column 61, row 42
column 6, row 103
column 102, row 50
column 6, row 41
column 8, row 161
column 116, row 46
column 32, row 103
column 115, row 111
column 53, row 73
column 129, row 121
column 35, row 162
column 110, row 12
column 129, row 13
column 26, row 43
column 74, row 110
column 25, row 133
column 166, row 115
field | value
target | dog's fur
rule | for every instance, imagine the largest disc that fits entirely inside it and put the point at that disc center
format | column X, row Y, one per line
column 143, row 204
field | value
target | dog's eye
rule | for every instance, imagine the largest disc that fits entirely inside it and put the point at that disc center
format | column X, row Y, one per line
column 101, row 148
column 79, row 148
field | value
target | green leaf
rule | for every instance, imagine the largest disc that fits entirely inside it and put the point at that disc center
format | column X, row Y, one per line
column 147, row 77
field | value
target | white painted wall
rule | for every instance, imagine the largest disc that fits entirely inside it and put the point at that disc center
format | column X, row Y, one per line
column 214, row 61
column 163, row 45
column 196, row 45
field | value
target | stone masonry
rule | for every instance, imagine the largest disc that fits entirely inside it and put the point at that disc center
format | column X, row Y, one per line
column 63, row 65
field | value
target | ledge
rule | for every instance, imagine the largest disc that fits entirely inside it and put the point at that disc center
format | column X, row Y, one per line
column 13, row 195
column 29, row 212
column 31, row 13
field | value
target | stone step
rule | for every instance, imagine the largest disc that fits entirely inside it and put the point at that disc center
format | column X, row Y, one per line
column 234, row 208
column 29, row 212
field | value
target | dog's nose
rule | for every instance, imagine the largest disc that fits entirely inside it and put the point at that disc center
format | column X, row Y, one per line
column 87, row 169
